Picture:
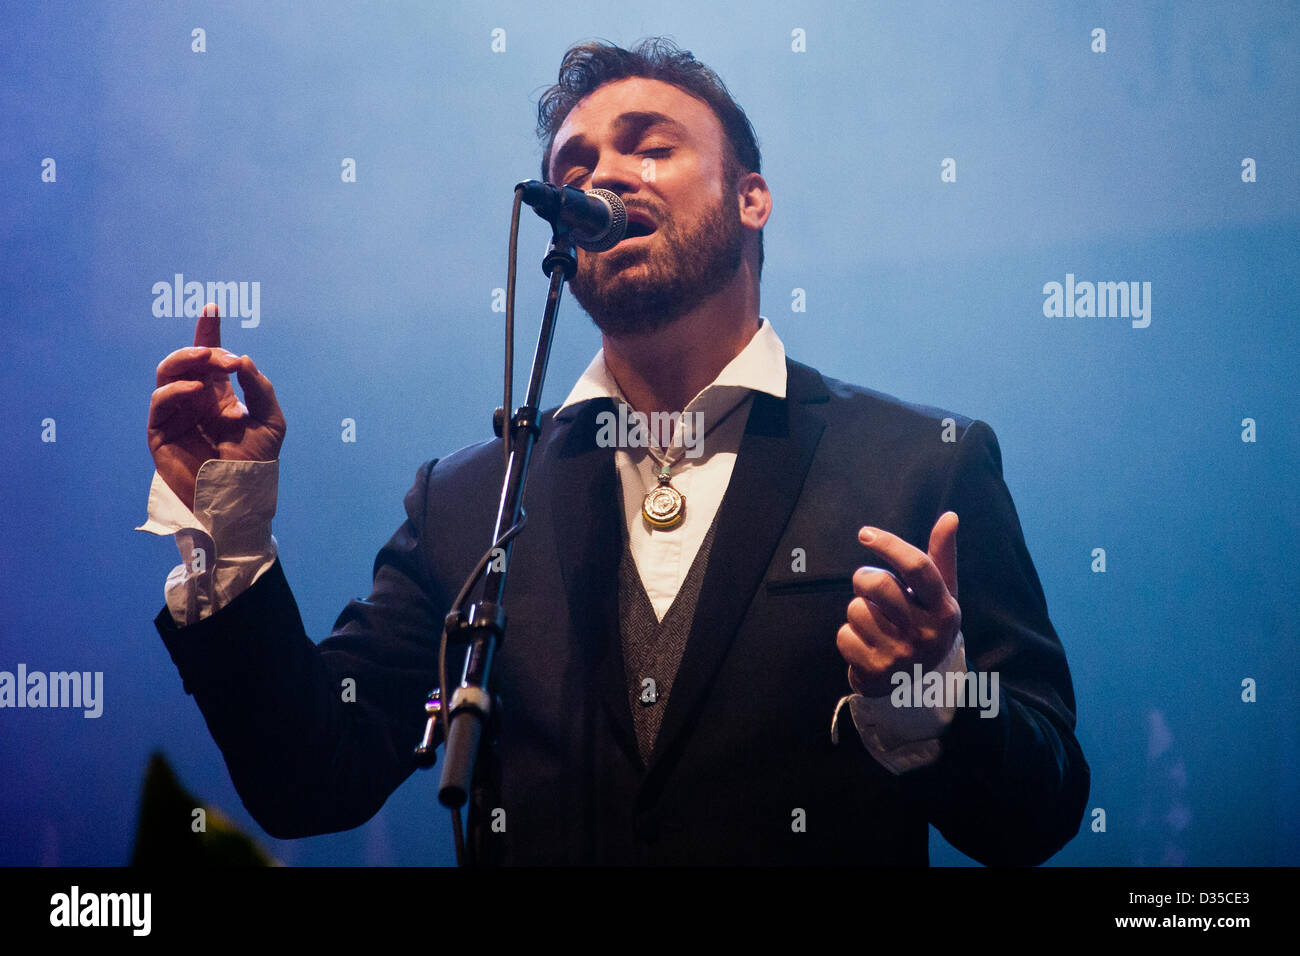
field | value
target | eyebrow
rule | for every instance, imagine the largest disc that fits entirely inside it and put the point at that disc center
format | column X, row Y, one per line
column 632, row 121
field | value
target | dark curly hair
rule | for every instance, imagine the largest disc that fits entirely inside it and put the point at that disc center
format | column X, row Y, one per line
column 587, row 66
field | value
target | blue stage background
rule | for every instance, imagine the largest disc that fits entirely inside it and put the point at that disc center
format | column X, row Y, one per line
column 376, row 304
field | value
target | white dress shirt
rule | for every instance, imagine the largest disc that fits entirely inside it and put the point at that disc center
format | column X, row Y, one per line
column 226, row 542
column 664, row 557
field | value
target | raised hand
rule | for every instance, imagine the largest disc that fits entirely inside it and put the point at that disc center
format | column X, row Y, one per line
column 195, row 416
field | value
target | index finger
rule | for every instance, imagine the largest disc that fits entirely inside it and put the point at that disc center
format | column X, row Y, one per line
column 914, row 566
column 208, row 330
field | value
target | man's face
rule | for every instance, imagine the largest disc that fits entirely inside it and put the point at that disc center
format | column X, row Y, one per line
column 664, row 153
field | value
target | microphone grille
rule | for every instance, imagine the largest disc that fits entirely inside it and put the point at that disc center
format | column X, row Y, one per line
column 617, row 223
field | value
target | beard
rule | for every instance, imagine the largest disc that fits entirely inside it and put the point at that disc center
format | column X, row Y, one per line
column 633, row 290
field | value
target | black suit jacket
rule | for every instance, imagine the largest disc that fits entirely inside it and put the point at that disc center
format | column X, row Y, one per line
column 745, row 742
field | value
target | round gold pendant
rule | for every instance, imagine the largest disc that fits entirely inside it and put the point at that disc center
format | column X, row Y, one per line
column 664, row 506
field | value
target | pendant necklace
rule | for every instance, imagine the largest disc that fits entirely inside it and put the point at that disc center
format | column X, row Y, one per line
column 664, row 506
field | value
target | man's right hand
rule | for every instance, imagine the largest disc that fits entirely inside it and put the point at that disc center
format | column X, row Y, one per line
column 194, row 415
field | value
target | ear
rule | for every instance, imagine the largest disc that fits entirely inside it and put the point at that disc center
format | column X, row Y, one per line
column 754, row 200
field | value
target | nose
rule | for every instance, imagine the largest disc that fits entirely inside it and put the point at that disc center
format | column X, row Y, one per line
column 617, row 172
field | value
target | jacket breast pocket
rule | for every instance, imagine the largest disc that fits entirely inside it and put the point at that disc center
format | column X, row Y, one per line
column 811, row 584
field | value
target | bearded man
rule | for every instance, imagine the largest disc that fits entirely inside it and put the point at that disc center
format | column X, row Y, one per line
column 770, row 652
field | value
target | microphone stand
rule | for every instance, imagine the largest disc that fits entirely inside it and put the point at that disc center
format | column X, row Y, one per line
column 483, row 625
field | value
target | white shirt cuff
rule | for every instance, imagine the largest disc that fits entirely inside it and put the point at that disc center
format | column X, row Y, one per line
column 902, row 738
column 225, row 543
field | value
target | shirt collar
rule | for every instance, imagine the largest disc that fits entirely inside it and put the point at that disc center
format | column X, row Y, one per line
column 760, row 367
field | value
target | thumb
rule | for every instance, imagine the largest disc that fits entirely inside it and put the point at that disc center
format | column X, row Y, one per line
column 943, row 549
column 259, row 394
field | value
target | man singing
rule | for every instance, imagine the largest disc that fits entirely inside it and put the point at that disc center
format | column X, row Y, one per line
column 772, row 650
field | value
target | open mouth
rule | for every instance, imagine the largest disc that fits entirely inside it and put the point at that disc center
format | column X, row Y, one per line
column 638, row 224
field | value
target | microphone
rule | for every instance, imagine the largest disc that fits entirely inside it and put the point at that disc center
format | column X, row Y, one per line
column 597, row 217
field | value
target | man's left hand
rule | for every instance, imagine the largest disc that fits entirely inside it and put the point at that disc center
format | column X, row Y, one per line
column 895, row 622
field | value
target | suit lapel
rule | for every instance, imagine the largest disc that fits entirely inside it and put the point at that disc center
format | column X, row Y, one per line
column 776, row 451
column 586, row 511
